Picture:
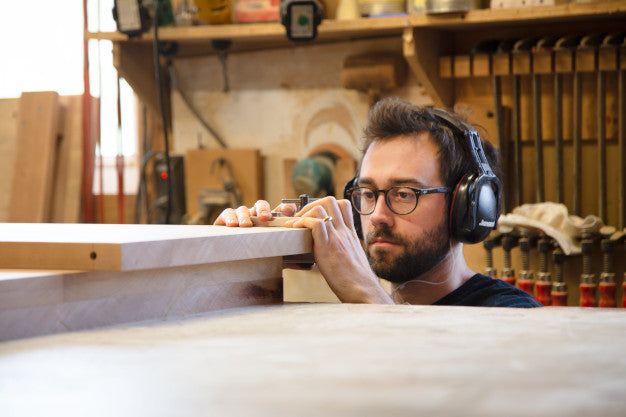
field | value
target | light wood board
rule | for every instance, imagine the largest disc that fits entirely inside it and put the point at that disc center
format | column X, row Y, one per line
column 69, row 163
column 37, row 132
column 329, row 360
column 34, row 303
column 8, row 126
column 133, row 247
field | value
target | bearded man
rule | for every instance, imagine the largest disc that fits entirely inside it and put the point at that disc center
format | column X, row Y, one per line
column 426, row 184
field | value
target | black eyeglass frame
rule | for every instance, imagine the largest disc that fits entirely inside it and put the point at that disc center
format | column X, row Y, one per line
column 418, row 192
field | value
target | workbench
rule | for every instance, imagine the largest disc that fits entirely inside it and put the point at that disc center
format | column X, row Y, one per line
column 328, row 360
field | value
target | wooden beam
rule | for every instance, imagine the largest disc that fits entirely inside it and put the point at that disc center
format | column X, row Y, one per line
column 34, row 303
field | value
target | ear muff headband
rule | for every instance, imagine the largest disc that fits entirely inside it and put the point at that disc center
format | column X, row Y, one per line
column 475, row 205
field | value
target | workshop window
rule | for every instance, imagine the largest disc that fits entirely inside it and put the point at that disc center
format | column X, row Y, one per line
column 46, row 54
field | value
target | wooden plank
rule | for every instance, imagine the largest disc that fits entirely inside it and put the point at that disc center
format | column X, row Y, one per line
column 481, row 65
column 8, row 131
column 37, row 132
column 34, row 303
column 69, row 163
column 330, row 360
column 247, row 172
column 133, row 247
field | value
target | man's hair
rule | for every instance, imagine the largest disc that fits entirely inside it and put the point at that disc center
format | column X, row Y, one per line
column 392, row 117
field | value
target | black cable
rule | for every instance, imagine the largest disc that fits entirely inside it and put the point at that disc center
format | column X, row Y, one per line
column 157, row 76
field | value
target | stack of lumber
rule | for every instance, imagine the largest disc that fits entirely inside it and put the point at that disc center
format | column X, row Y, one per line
column 67, row 277
column 41, row 157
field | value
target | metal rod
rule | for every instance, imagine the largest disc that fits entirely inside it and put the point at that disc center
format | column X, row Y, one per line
column 517, row 135
column 601, row 146
column 558, row 135
column 540, row 193
column 497, row 104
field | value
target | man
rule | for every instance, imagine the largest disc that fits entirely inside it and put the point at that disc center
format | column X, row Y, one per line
column 410, row 167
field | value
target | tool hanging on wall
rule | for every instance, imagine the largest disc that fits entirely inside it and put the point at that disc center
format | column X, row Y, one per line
column 609, row 47
column 222, row 46
column 559, row 287
column 587, row 278
column 588, row 46
column 544, row 278
column 490, row 47
column 607, row 286
column 526, row 277
column 489, row 244
column 564, row 50
column 544, row 45
column 621, row 131
column 521, row 49
column 508, row 243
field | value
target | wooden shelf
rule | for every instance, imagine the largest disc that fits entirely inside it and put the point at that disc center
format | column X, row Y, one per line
column 338, row 30
column 425, row 38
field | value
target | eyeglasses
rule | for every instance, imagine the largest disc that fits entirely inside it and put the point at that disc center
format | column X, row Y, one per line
column 399, row 199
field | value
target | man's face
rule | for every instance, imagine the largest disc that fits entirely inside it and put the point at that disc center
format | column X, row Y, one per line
column 403, row 247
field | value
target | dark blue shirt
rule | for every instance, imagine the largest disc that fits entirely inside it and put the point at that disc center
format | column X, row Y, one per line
column 484, row 291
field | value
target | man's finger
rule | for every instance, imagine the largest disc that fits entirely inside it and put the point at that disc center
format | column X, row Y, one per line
column 262, row 210
column 243, row 216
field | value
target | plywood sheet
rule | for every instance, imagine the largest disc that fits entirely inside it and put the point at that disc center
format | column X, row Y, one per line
column 37, row 131
column 247, row 172
column 133, row 247
column 330, row 360
column 42, row 302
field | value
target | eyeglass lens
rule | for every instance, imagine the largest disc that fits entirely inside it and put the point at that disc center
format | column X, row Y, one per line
column 400, row 200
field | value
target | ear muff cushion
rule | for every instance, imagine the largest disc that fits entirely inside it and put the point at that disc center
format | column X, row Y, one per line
column 458, row 208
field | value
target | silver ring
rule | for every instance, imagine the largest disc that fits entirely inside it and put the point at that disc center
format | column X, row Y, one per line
column 328, row 219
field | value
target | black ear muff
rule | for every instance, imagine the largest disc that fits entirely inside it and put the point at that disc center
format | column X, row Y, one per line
column 474, row 208
column 356, row 217
column 475, row 204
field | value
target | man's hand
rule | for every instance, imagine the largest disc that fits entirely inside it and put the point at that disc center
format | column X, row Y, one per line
column 338, row 251
column 240, row 217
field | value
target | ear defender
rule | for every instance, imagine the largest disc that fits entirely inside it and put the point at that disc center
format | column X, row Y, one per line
column 475, row 204
column 356, row 217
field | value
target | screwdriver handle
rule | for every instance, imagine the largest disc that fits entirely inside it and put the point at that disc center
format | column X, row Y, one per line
column 588, row 295
column 607, row 294
column 543, row 292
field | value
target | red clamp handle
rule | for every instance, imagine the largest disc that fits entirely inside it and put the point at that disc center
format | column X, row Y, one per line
column 607, row 294
column 543, row 292
column 588, row 295
column 559, row 298
column 526, row 285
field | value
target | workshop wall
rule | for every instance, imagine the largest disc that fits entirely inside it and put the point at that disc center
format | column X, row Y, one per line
column 284, row 102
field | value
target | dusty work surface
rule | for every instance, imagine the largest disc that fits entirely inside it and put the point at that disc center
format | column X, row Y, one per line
column 329, row 360
column 133, row 247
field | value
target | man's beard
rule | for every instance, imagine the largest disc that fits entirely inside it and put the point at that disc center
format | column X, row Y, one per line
column 418, row 256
